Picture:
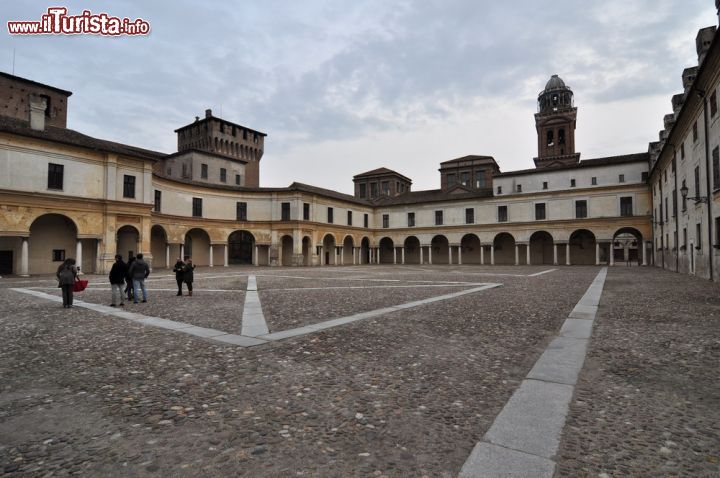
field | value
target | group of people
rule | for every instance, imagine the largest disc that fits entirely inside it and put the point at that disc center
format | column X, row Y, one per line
column 133, row 274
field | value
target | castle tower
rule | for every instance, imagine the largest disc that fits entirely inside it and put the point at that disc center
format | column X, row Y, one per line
column 555, row 124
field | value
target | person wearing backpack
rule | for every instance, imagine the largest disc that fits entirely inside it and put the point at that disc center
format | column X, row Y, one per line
column 118, row 273
column 139, row 270
column 66, row 275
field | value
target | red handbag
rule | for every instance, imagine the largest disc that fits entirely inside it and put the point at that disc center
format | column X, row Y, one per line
column 80, row 285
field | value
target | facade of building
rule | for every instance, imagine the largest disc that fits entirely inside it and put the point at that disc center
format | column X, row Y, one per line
column 65, row 194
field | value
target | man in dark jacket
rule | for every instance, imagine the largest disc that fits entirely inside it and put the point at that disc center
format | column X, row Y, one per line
column 139, row 270
column 118, row 273
column 189, row 275
column 128, row 278
column 67, row 274
column 178, row 270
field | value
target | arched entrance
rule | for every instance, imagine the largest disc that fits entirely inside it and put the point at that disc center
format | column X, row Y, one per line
column 582, row 247
column 440, row 250
column 365, row 251
column 504, row 245
column 128, row 241
column 627, row 246
column 412, row 250
column 306, row 250
column 158, row 246
column 347, row 254
column 329, row 254
column 470, row 246
column 541, row 248
column 286, row 244
column 53, row 238
column 386, row 247
column 240, row 247
column 197, row 246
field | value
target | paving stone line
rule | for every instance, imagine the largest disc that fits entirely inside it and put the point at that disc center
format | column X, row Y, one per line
column 253, row 319
column 525, row 436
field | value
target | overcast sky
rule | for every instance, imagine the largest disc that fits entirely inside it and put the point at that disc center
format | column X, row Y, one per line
column 342, row 87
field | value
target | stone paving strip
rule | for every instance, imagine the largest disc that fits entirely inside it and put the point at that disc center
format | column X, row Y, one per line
column 255, row 323
column 525, row 436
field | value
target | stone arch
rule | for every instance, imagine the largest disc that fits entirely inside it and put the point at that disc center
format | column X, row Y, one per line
column 241, row 247
column 627, row 245
column 286, row 245
column 158, row 246
column 541, row 248
column 504, row 245
column 470, row 246
column 412, row 250
column 53, row 238
column 128, row 241
column 329, row 253
column 386, row 248
column 582, row 247
column 197, row 246
column 364, row 250
column 440, row 249
column 348, row 246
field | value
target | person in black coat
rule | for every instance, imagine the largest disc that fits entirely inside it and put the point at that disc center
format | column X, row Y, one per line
column 179, row 273
column 118, row 274
column 129, row 279
column 189, row 275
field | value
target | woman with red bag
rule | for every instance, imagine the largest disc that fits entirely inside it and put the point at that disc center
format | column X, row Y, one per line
column 66, row 274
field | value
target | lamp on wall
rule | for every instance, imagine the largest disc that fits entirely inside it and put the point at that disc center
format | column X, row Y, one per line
column 698, row 199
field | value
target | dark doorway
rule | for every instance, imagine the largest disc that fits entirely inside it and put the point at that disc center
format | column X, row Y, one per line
column 240, row 247
column 6, row 262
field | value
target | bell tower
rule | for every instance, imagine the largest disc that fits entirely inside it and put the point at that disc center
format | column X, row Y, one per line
column 555, row 125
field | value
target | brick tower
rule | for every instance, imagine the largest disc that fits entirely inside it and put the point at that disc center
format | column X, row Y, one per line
column 555, row 124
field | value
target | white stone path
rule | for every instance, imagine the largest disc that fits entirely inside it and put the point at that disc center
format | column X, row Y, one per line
column 524, row 438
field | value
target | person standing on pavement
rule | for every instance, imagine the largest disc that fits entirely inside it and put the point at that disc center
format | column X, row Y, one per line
column 118, row 273
column 139, row 270
column 189, row 274
column 66, row 274
column 179, row 273
column 128, row 279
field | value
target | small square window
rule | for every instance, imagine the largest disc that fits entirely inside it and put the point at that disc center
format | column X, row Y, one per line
column 58, row 255
column 499, row 189
column 621, row 178
column 572, row 183
column 545, row 185
column 593, row 181
column 519, row 188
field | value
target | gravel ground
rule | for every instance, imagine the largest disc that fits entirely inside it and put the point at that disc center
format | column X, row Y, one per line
column 406, row 394
column 648, row 399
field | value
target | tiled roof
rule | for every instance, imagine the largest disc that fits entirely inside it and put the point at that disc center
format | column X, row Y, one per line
column 588, row 163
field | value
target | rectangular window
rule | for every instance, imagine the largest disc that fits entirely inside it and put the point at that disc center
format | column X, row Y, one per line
column 386, row 220
column 238, row 179
column 362, row 190
column 451, row 179
column 626, row 206
column 695, row 131
column 502, row 214
column 223, row 175
column 285, row 211
column 185, row 171
column 241, row 211
column 306, row 211
column 644, row 176
column 519, row 188
column 545, row 185
column 330, row 215
column 698, row 236
column 55, row 176
column 203, row 171
column 465, row 178
column 129, row 186
column 480, row 178
column 385, row 188
column 667, row 210
column 684, row 203
column 621, row 178
column 572, row 183
column 716, row 167
column 373, row 190
column 438, row 218
column 713, row 104
column 58, row 255
column 593, row 181
column 197, row 207
column 499, row 190
column 581, row 209
column 682, row 151
column 366, row 220
column 540, row 211
column 697, row 181
column 411, row 219
column 158, row 201
column 469, row 215
column 349, row 218
column 684, row 245
column 674, row 203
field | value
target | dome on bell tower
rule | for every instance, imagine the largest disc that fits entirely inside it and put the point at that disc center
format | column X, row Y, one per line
column 555, row 83
column 555, row 124
column 555, row 97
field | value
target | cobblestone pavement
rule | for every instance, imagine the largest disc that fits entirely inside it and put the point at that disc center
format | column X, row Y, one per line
column 648, row 399
column 404, row 394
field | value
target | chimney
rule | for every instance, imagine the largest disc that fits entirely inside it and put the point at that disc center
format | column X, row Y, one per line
column 702, row 42
column 38, row 105
column 208, row 113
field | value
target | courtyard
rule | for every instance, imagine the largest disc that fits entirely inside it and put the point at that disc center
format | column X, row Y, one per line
column 353, row 371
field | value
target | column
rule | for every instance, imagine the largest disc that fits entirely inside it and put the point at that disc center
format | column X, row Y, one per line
column 377, row 255
column 421, row 255
column 460, row 255
column 354, row 248
column 182, row 251
column 256, row 259
column 517, row 254
column 555, row 262
column 492, row 254
column 567, row 254
column 211, row 255
column 644, row 248
column 597, row 253
column 612, row 254
column 394, row 255
column 527, row 250
column 402, row 255
column 24, row 259
column 78, row 254
column 430, row 254
column 98, row 260
column 482, row 255
column 226, row 256
column 342, row 255
column 167, row 255
column 449, row 254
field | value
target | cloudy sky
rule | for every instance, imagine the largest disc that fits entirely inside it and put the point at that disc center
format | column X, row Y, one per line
column 342, row 87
